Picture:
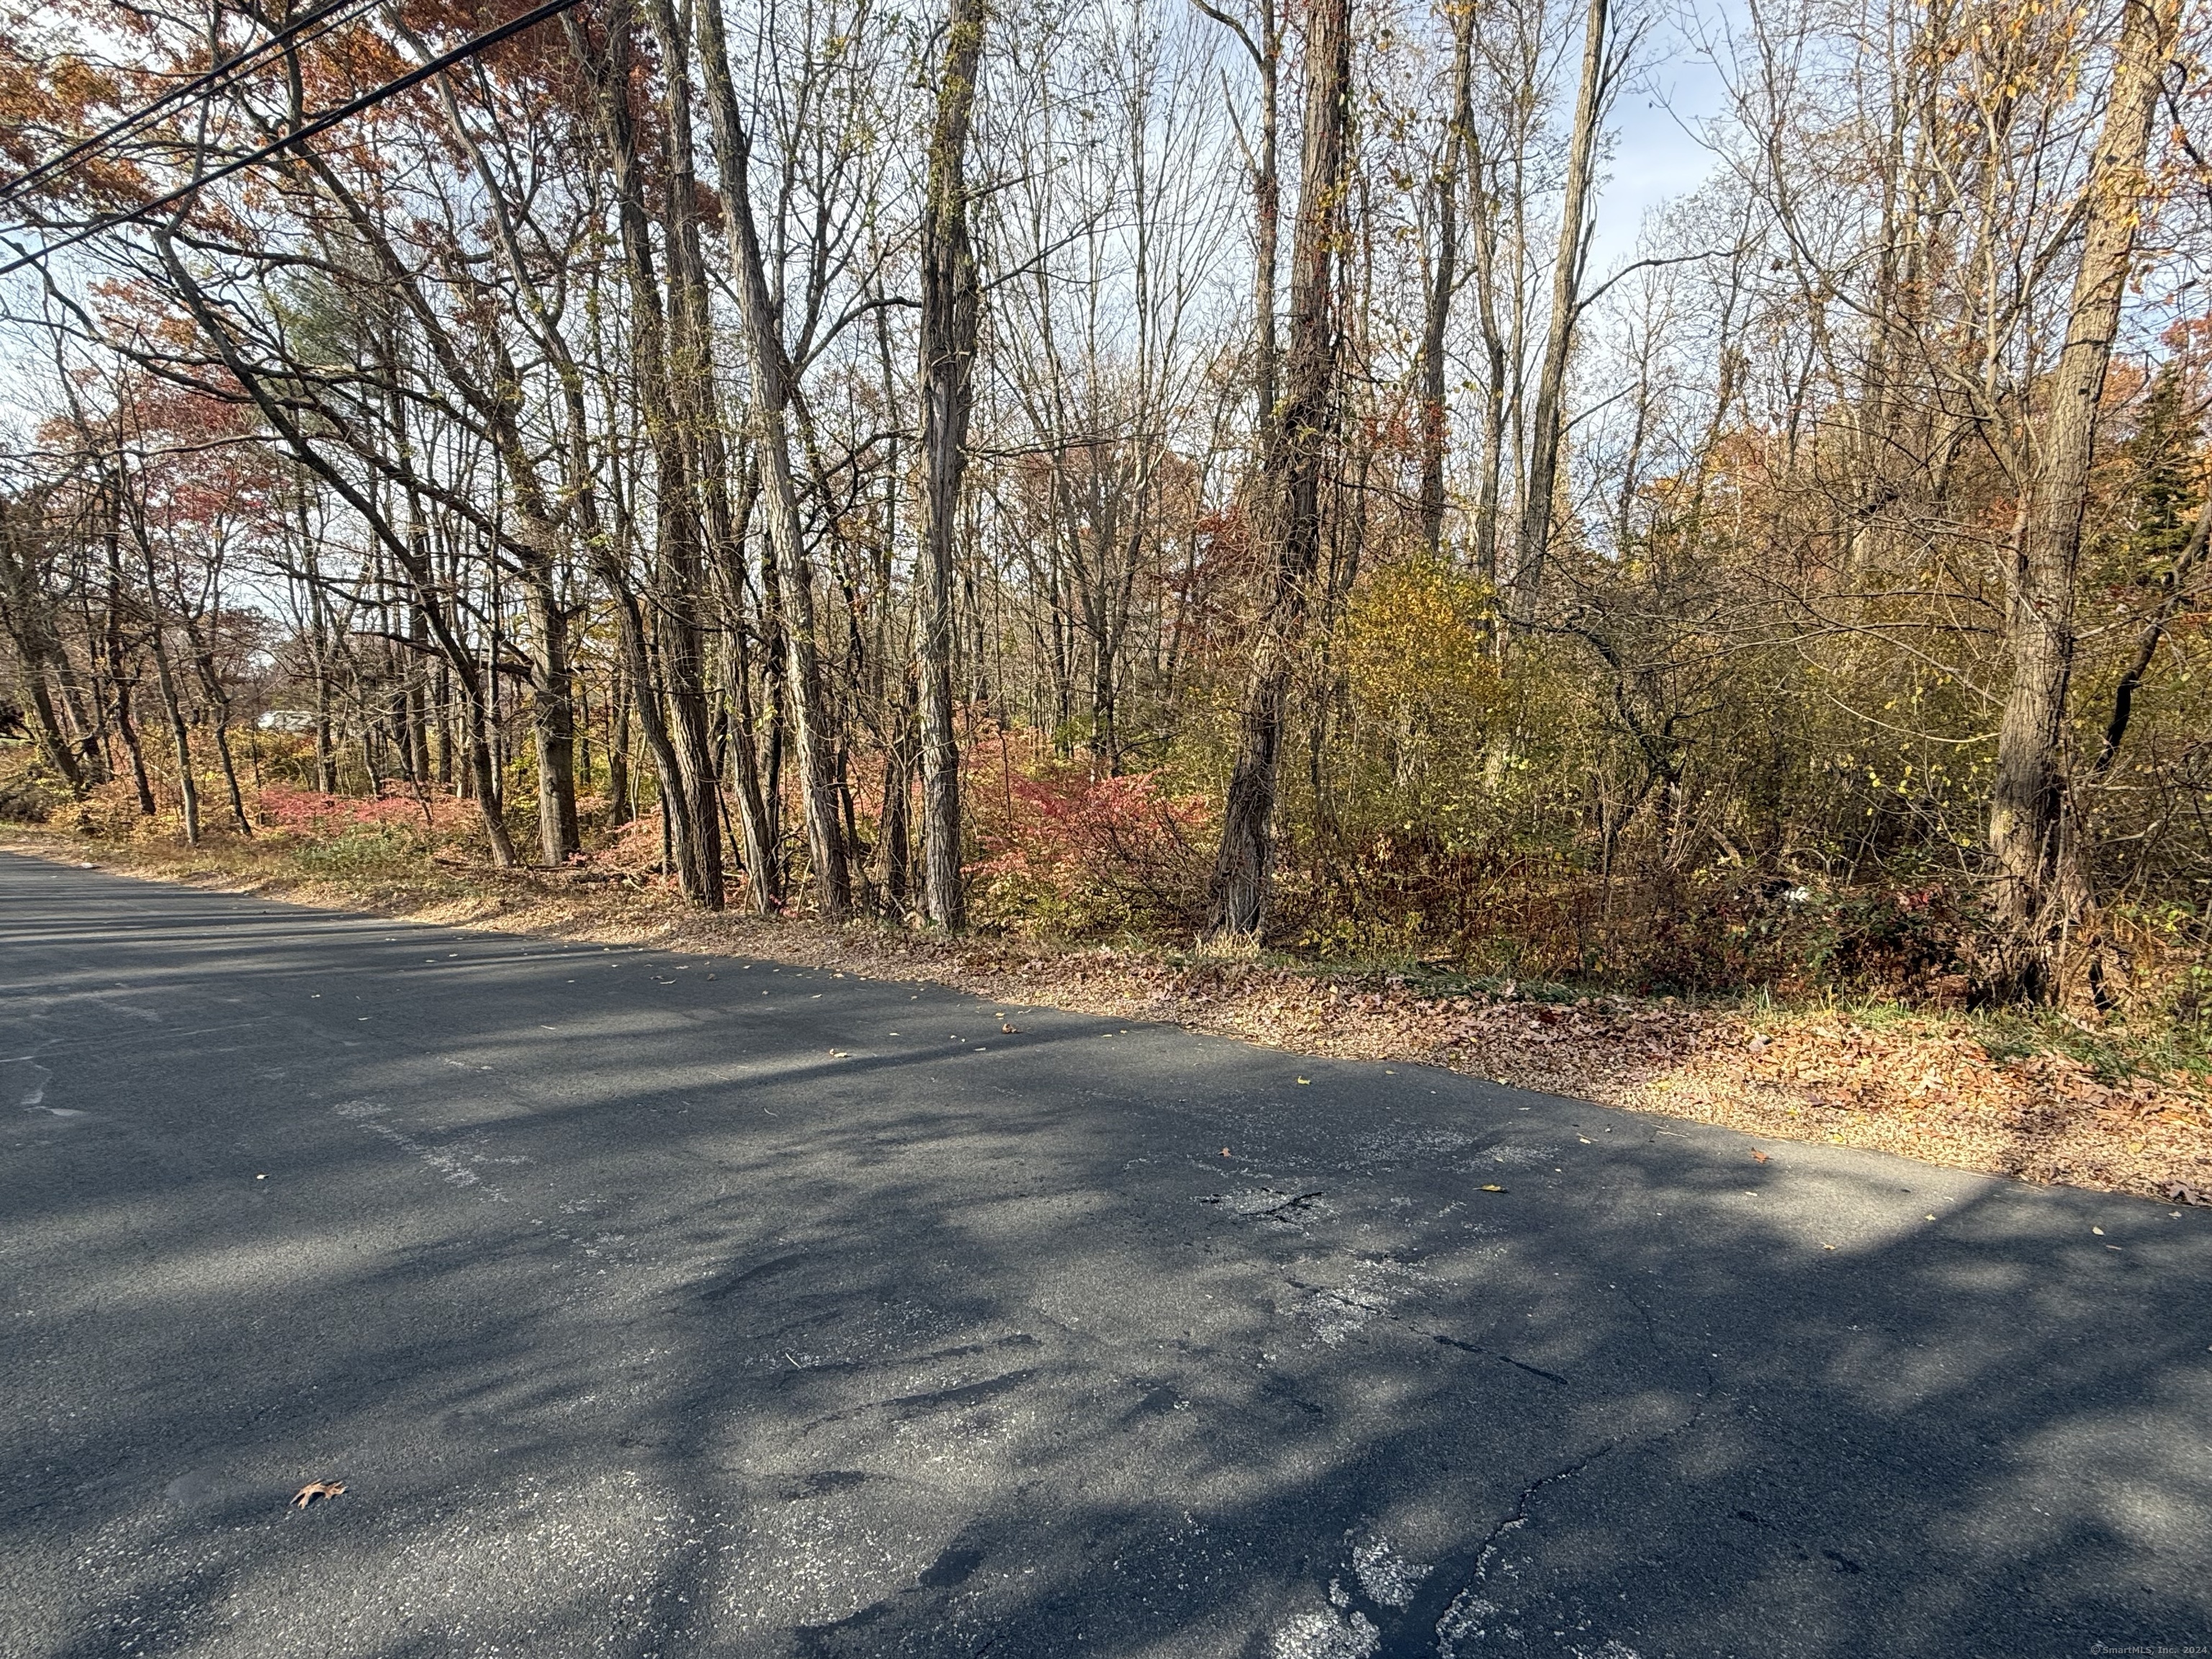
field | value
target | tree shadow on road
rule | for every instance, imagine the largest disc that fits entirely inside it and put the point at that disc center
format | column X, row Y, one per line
column 725, row 1346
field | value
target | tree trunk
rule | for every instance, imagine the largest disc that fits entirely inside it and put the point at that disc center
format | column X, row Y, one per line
column 2041, row 891
column 619, row 802
column 694, row 403
column 1546, row 428
column 188, row 792
column 552, row 715
column 126, row 726
column 1305, row 438
column 1267, row 216
column 1444, row 277
column 25, row 612
column 770, row 376
column 756, row 824
column 218, row 702
column 951, row 298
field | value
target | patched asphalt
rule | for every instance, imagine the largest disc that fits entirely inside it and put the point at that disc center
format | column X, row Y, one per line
column 651, row 1304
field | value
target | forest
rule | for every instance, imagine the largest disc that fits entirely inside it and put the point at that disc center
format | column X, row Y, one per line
column 1104, row 469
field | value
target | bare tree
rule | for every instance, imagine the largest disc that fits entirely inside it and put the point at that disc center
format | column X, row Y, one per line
column 2040, row 892
column 951, row 297
column 1244, row 866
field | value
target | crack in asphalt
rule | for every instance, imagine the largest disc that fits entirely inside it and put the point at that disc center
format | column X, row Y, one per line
column 1420, row 1630
column 1424, row 1626
column 1490, row 1353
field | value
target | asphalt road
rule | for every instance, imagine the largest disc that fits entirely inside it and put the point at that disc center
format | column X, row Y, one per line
column 650, row 1304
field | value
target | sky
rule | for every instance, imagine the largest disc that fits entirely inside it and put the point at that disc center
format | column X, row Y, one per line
column 1656, row 155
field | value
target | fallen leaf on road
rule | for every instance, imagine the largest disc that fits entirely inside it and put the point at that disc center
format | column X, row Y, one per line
column 1305, row 1079
column 840, row 1054
column 1012, row 1030
column 1493, row 1187
column 314, row 1489
column 1224, row 1151
column 1759, row 1157
column 2182, row 1192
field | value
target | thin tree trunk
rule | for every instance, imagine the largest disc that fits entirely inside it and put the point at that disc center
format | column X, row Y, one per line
column 188, row 791
column 1547, row 427
column 219, row 701
column 619, row 801
column 1266, row 53
column 125, row 726
column 763, row 871
column 1444, row 277
column 2178, row 584
column 894, row 850
column 552, row 715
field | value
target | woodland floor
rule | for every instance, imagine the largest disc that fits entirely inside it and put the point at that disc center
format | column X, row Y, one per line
column 1943, row 1088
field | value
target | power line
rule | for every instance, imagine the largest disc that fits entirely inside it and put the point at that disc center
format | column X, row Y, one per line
column 321, row 123
column 204, row 82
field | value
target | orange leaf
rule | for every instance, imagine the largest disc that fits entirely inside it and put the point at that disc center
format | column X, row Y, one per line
column 314, row 1489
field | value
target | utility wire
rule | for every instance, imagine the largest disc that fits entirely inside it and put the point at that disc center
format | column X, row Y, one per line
column 204, row 82
column 321, row 123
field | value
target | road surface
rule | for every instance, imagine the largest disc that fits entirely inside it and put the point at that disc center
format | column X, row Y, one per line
column 660, row 1305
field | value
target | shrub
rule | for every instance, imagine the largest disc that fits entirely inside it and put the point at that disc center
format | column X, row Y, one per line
column 24, row 799
column 361, row 850
column 1073, row 855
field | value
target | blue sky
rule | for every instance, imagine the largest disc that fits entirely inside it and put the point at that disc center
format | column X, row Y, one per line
column 1656, row 157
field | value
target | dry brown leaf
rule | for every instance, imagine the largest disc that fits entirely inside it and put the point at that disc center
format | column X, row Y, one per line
column 1759, row 1157
column 314, row 1489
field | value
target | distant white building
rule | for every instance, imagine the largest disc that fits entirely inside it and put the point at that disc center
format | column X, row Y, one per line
column 287, row 719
